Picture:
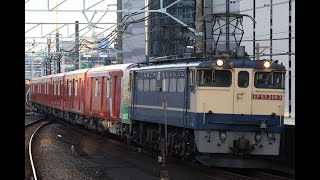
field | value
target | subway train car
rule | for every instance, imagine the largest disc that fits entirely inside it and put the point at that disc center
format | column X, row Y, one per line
column 218, row 107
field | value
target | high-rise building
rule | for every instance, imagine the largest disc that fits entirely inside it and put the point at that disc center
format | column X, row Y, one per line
column 274, row 30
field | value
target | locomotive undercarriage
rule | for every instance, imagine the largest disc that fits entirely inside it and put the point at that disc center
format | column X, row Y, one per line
column 148, row 135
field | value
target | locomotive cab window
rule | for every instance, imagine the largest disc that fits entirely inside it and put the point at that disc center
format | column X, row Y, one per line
column 269, row 80
column 213, row 78
column 243, row 79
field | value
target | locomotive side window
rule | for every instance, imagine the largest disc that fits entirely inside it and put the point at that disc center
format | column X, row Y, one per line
column 165, row 83
column 140, row 84
column 269, row 80
column 180, row 85
column 173, row 85
column 153, row 85
column 192, row 77
column 243, row 79
column 146, row 85
column 213, row 78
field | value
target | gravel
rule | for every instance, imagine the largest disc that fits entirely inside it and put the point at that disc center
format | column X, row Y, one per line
column 95, row 157
column 54, row 158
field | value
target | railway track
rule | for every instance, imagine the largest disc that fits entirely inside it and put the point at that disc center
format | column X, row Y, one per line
column 30, row 131
column 212, row 173
column 33, row 122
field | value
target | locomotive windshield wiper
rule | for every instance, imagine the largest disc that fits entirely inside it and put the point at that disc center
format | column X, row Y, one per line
column 270, row 75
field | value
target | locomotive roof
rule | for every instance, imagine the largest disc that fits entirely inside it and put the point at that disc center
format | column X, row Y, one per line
column 243, row 63
column 164, row 66
column 230, row 63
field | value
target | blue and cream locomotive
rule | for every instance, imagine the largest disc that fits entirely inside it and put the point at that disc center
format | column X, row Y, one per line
column 211, row 107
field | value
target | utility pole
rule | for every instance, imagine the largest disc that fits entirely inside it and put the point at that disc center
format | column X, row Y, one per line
column 77, row 43
column 147, row 34
column 119, row 34
column 31, row 59
column 57, row 52
column 227, row 25
column 48, row 67
column 164, row 174
column 199, row 27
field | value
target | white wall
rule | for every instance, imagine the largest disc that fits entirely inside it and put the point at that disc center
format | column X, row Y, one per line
column 280, row 30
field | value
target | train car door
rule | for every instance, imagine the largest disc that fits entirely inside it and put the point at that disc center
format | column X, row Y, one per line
column 242, row 94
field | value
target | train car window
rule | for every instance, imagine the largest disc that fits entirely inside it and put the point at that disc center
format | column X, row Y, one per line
column 146, row 85
column 76, row 88
column 214, row 78
column 54, row 88
column 97, row 87
column 59, row 88
column 70, row 85
column 108, row 88
column 180, row 85
column 153, row 85
column 140, row 84
column 269, row 80
column 243, row 79
column 173, row 85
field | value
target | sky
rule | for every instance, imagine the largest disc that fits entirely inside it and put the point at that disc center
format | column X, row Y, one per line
column 64, row 17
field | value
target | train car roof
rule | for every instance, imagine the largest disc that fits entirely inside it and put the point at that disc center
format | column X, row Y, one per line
column 80, row 71
column 111, row 67
column 42, row 78
column 59, row 75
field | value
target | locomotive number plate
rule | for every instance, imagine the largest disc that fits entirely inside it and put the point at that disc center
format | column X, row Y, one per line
column 267, row 97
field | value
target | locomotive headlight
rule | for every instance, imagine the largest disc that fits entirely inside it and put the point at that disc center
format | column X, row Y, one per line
column 220, row 62
column 267, row 64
